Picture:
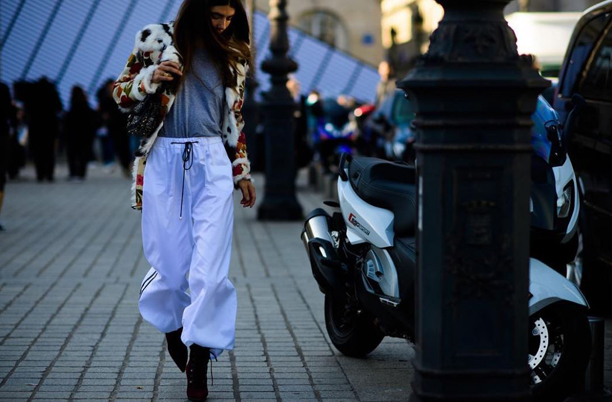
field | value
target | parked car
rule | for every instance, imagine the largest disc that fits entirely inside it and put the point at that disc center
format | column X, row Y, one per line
column 587, row 71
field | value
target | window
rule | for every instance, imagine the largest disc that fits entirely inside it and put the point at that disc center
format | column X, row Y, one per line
column 581, row 51
column 326, row 27
column 402, row 110
column 598, row 82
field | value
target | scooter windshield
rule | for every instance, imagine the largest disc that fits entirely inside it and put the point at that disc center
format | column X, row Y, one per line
column 543, row 118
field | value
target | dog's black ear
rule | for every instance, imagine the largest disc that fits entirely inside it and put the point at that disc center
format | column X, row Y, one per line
column 145, row 34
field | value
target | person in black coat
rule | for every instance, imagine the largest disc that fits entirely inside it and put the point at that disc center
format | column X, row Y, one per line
column 7, row 111
column 116, row 123
column 42, row 109
column 80, row 124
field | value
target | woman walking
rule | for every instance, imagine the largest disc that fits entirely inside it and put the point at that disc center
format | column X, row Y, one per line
column 184, row 179
column 7, row 119
column 80, row 124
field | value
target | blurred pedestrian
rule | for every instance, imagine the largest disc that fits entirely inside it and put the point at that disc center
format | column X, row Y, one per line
column 80, row 124
column 43, row 107
column 105, row 147
column 314, row 109
column 7, row 116
column 18, row 142
column 387, row 84
column 115, row 123
column 303, row 152
column 187, row 198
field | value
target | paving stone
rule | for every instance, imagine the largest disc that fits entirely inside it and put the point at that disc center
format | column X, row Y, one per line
column 257, row 395
column 325, row 394
column 135, row 395
column 53, row 395
column 294, row 388
column 256, row 388
column 11, row 395
column 291, row 396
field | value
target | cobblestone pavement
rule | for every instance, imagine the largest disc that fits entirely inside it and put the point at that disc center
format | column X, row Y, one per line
column 70, row 270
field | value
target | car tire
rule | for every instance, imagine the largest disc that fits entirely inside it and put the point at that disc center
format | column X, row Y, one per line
column 596, row 275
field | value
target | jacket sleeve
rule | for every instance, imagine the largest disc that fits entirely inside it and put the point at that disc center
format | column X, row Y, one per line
column 241, row 164
column 240, row 161
column 135, row 81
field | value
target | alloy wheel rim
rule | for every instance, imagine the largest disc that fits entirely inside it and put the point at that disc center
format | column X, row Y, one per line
column 545, row 348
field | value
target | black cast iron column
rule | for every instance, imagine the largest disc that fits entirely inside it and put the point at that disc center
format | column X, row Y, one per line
column 473, row 96
column 279, row 199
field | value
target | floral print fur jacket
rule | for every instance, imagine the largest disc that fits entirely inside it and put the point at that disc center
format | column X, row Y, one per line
column 154, row 45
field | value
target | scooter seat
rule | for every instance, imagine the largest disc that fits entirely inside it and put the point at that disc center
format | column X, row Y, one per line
column 387, row 185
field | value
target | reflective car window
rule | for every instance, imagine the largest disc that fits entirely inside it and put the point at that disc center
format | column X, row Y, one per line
column 402, row 110
column 385, row 108
column 598, row 82
column 581, row 50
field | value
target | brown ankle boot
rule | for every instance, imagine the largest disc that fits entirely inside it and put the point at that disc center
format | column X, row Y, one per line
column 177, row 349
column 197, row 387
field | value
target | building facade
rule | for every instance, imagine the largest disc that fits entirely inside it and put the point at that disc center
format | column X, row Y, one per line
column 348, row 25
column 549, row 5
column 406, row 26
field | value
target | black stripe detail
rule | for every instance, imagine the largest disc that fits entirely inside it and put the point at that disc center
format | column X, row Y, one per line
column 351, row 82
column 322, row 68
column 111, row 46
column 77, row 41
column 146, row 285
column 164, row 15
column 9, row 29
column 41, row 39
column 150, row 276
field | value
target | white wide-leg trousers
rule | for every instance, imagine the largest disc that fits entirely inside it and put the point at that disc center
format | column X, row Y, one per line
column 187, row 285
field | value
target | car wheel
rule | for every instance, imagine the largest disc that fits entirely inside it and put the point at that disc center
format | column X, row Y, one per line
column 593, row 276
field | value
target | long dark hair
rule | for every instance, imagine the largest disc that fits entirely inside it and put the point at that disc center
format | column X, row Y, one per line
column 226, row 50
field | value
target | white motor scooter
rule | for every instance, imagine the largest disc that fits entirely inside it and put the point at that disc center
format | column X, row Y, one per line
column 363, row 258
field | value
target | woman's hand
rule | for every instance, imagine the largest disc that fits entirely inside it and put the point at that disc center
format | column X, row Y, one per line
column 165, row 71
column 248, row 193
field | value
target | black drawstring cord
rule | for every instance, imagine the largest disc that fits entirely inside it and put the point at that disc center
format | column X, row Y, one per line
column 187, row 164
column 212, row 377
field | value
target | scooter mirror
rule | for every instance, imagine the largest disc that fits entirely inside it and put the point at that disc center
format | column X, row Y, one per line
column 558, row 150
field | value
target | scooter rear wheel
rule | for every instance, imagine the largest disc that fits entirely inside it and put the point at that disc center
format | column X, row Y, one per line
column 351, row 331
column 559, row 350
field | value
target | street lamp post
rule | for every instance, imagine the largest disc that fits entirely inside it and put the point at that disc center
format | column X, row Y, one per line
column 279, row 201
column 473, row 96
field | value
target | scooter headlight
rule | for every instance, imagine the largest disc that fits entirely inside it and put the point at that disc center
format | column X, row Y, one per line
column 564, row 203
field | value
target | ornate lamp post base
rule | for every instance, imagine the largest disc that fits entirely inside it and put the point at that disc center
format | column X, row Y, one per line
column 474, row 96
column 279, row 208
column 279, row 198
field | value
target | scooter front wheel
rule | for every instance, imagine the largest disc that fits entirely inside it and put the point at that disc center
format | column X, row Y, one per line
column 351, row 331
column 559, row 350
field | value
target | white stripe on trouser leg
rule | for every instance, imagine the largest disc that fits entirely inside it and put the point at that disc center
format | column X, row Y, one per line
column 198, row 245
